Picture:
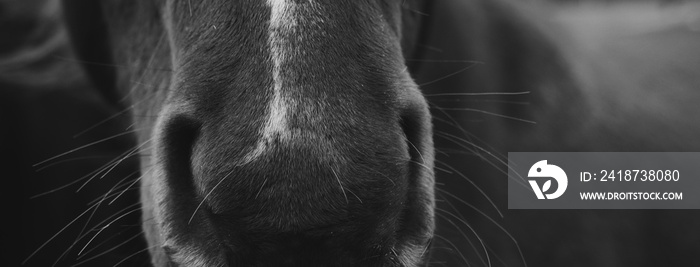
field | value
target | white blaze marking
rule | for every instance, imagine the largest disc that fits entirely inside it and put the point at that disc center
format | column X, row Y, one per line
column 282, row 22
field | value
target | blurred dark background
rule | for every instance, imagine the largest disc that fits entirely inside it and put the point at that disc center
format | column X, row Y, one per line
column 47, row 108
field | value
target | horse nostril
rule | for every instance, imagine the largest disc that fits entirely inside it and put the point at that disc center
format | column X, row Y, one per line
column 178, row 141
column 174, row 156
column 415, row 121
column 414, row 127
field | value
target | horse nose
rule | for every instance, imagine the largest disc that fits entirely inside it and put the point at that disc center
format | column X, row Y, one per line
column 309, row 159
column 323, row 166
